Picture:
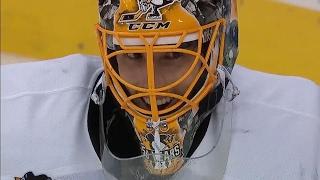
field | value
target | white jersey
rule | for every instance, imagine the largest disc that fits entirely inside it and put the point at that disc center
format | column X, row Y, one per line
column 44, row 105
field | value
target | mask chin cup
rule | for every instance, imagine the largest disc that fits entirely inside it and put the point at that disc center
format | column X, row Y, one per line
column 207, row 162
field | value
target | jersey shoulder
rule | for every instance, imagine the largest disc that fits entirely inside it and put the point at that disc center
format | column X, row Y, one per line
column 287, row 92
column 276, row 123
column 45, row 104
column 70, row 71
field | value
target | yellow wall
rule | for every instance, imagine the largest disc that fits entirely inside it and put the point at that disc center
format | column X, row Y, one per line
column 274, row 37
column 46, row 29
column 279, row 38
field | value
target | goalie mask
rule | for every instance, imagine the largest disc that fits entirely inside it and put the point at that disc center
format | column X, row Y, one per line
column 161, row 59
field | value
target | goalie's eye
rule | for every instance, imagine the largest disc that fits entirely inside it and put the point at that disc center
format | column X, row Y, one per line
column 134, row 56
column 173, row 55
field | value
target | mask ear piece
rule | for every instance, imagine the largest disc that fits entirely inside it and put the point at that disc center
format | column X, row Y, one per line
column 225, row 76
column 231, row 45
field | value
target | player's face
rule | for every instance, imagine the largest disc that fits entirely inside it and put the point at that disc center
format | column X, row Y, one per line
column 168, row 68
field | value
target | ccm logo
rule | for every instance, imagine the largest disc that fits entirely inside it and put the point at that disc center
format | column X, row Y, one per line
column 148, row 25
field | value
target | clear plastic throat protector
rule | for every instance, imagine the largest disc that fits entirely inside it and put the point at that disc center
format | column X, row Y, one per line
column 207, row 162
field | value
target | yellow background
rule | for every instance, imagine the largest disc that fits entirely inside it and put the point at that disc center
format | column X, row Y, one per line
column 274, row 37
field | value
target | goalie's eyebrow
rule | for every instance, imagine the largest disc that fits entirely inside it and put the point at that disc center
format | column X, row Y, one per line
column 189, row 45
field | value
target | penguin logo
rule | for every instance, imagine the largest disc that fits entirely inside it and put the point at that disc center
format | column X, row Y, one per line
column 149, row 7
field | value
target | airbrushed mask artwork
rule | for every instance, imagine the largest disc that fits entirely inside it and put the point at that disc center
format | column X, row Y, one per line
column 161, row 60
